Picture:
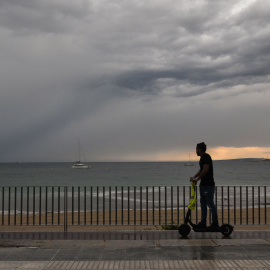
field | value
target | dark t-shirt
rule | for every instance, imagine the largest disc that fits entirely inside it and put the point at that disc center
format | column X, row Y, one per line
column 208, row 179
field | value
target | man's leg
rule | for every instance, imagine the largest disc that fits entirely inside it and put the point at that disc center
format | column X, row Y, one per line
column 211, row 204
column 203, row 200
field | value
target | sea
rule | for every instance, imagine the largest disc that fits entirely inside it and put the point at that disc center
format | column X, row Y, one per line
column 236, row 172
column 106, row 184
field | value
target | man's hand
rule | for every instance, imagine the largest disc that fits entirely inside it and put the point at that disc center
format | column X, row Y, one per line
column 193, row 179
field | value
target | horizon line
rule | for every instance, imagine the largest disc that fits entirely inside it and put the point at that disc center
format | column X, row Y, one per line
column 130, row 161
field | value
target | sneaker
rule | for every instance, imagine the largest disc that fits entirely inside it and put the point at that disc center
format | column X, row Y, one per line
column 214, row 227
column 200, row 226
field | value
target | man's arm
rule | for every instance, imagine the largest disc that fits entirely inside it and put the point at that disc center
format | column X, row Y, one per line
column 197, row 174
column 200, row 174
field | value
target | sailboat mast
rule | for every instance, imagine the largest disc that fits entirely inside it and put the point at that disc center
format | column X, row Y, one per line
column 79, row 149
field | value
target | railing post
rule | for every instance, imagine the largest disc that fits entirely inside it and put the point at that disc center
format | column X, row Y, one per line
column 135, row 209
column 65, row 208
column 165, row 195
column 265, row 204
column 153, row 204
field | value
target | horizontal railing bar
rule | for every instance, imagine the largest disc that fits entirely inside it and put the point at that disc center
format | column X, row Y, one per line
column 113, row 186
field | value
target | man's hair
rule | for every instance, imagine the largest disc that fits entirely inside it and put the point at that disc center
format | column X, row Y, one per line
column 202, row 146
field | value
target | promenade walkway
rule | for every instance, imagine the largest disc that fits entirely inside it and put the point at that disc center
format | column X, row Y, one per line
column 134, row 250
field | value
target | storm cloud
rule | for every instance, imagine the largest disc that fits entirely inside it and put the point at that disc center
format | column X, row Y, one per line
column 134, row 80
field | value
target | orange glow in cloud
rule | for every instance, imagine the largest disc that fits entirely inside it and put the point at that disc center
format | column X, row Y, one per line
column 217, row 153
column 220, row 153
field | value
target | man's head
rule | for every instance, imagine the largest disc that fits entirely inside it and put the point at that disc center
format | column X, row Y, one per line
column 200, row 149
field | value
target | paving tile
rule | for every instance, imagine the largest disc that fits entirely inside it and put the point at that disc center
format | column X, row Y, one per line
column 26, row 254
column 75, row 265
column 187, row 242
column 66, row 254
column 240, row 242
column 129, row 243
column 143, row 253
column 88, row 265
column 82, row 254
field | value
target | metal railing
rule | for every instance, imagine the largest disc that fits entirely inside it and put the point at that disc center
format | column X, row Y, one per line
column 144, row 206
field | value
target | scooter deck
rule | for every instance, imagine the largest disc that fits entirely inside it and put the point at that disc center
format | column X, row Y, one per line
column 207, row 230
column 225, row 229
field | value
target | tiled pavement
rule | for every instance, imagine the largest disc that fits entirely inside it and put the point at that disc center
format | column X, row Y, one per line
column 132, row 265
column 158, row 250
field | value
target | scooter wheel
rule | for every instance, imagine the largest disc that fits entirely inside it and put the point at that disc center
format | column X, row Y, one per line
column 184, row 229
column 226, row 229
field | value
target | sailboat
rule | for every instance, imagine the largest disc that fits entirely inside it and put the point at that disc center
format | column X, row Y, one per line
column 189, row 163
column 78, row 164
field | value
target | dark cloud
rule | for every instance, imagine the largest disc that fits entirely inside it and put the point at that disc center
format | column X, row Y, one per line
column 132, row 78
column 38, row 16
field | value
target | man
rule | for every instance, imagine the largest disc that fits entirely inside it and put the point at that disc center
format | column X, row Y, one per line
column 207, row 187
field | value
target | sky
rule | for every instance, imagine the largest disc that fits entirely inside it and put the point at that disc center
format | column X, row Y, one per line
column 134, row 80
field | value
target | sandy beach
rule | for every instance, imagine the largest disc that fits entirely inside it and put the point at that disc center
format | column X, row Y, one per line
column 125, row 220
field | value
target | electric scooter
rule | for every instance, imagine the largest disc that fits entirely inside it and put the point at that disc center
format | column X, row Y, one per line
column 184, row 229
